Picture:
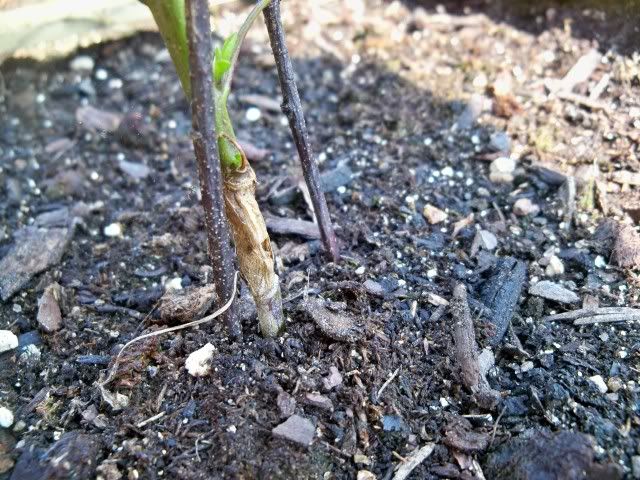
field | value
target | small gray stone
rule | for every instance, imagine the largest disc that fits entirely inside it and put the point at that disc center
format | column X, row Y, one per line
column 524, row 207
column 320, row 401
column 487, row 240
column 553, row 291
column 333, row 380
column 296, row 429
column 374, row 288
column 338, row 177
column 286, row 404
column 30, row 355
column 137, row 171
column 555, row 267
column 49, row 316
column 34, row 251
column 500, row 142
column 599, row 383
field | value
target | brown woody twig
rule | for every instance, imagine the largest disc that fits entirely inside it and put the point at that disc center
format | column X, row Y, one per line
column 292, row 108
column 202, row 107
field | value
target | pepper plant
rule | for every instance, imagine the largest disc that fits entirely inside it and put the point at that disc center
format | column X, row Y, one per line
column 253, row 246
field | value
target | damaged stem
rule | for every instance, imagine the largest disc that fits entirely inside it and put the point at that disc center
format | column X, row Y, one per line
column 292, row 108
column 201, row 88
column 253, row 245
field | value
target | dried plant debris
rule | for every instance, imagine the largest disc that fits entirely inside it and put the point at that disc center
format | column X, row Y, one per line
column 181, row 306
column 460, row 435
column 626, row 249
column 338, row 326
column 292, row 226
column 620, row 241
column 589, row 316
column 398, row 271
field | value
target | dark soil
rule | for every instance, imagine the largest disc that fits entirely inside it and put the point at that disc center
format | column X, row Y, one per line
column 387, row 93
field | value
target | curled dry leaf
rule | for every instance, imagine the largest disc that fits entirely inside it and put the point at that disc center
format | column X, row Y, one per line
column 185, row 305
column 337, row 326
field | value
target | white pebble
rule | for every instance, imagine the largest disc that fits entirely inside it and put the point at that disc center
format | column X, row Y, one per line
column 113, row 230
column 197, row 363
column 600, row 262
column 115, row 84
column 447, row 172
column 101, row 74
column 501, row 170
column 82, row 63
column 598, row 381
column 360, row 270
column 253, row 114
column 173, row 284
column 555, row 267
column 8, row 341
column 6, row 417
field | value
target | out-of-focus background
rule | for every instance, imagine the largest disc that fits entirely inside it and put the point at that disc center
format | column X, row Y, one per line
column 41, row 28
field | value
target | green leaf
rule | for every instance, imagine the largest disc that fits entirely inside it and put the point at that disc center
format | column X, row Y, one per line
column 229, row 46
column 223, row 57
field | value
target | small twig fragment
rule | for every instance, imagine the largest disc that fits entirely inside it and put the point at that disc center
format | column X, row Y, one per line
column 404, row 469
column 387, row 382
column 466, row 351
column 584, row 313
column 151, row 419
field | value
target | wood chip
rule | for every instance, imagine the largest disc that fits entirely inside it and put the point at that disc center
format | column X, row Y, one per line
column 404, row 469
column 290, row 226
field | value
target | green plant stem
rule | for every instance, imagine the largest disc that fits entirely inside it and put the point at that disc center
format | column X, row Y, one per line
column 171, row 20
column 230, row 157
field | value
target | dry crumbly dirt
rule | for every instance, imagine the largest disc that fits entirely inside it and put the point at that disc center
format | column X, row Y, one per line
column 414, row 104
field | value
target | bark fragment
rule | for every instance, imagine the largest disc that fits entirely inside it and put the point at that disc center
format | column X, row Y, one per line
column 466, row 351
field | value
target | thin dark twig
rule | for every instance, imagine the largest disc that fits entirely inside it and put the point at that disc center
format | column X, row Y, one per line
column 292, row 108
column 218, row 237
